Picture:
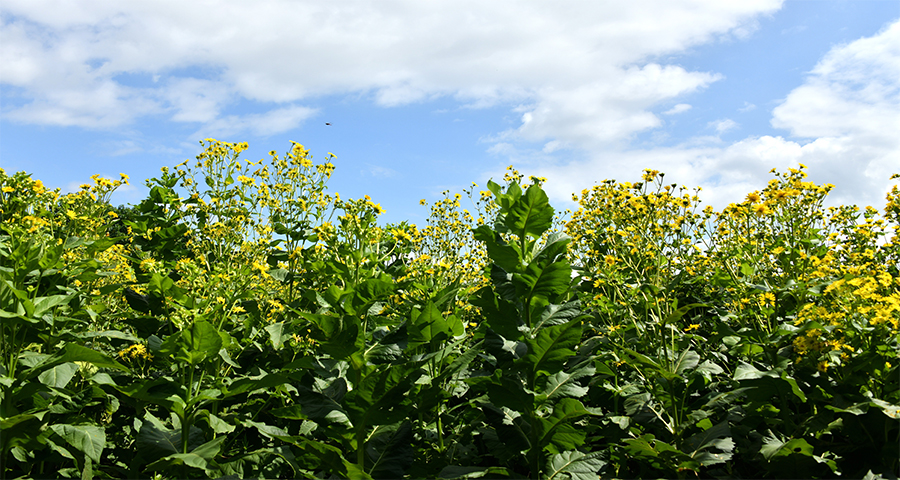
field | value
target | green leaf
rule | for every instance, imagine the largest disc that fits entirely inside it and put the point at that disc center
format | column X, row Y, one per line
column 560, row 429
column 316, row 455
column 59, row 376
column 44, row 304
column 687, row 360
column 501, row 253
column 88, row 439
column 340, row 337
column 370, row 291
column 892, row 411
column 556, row 314
column 510, row 393
column 453, row 472
column 154, row 440
column 774, row 447
column 549, row 350
column 501, row 315
column 218, row 425
column 575, row 465
column 194, row 345
column 316, row 407
column 545, row 283
column 276, row 334
column 75, row 353
column 116, row 334
column 279, row 274
column 379, row 398
column 745, row 371
column 246, row 384
column 390, row 450
column 554, row 248
column 427, row 325
column 531, row 214
column 564, row 384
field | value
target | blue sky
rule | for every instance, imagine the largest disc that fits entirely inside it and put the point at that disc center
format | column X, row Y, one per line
column 428, row 96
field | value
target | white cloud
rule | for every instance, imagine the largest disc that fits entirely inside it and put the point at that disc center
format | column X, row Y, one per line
column 846, row 116
column 196, row 100
column 854, row 89
column 723, row 125
column 680, row 108
column 565, row 61
column 747, row 107
column 378, row 171
column 609, row 112
column 262, row 124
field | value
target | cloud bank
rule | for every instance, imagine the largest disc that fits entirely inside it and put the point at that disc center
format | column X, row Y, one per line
column 586, row 77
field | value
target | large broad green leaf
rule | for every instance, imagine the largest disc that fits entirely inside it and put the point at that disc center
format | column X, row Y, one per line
column 716, row 437
column 545, row 283
column 116, row 334
column 501, row 315
column 427, row 325
column 565, row 384
column 340, row 336
column 531, row 214
column 687, row 360
column 161, row 391
column 276, row 334
column 154, row 440
column 454, row 472
column 314, row 406
column 774, row 447
column 511, row 433
column 390, row 450
column 553, row 249
column 89, row 439
column 370, row 291
column 315, row 455
column 549, row 350
column 557, row 314
column 768, row 383
column 194, row 345
column 44, row 304
column 58, row 376
column 574, row 465
column 500, row 252
column 379, row 398
column 510, row 393
column 246, row 384
column 74, row 353
column 560, row 429
column 200, row 457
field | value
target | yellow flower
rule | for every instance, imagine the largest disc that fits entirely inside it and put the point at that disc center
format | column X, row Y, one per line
column 761, row 209
column 8, row 189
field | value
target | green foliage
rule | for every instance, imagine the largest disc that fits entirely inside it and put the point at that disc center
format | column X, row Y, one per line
column 242, row 322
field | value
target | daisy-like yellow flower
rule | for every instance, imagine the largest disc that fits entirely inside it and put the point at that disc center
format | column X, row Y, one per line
column 761, row 209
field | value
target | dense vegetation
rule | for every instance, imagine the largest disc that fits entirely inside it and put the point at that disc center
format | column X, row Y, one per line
column 243, row 322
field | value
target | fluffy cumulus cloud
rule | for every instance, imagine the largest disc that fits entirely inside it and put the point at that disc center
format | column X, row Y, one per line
column 842, row 123
column 580, row 76
column 580, row 73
